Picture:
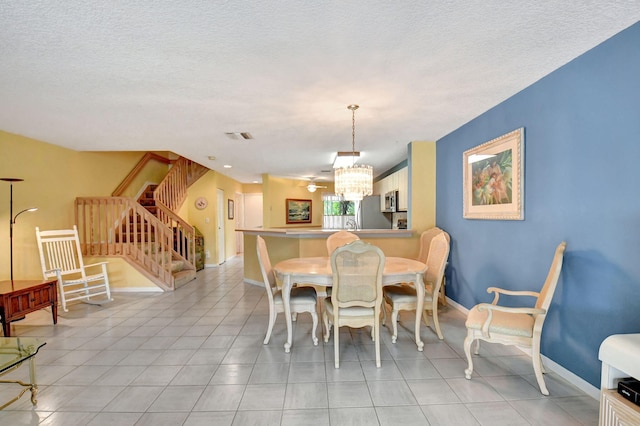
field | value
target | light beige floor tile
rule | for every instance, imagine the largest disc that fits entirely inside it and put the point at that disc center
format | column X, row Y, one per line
column 393, row 416
column 315, row 417
column 263, row 397
column 496, row 414
column 448, row 414
column 349, row 394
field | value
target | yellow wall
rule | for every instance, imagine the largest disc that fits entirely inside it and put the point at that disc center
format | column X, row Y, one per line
column 275, row 193
column 123, row 275
column 53, row 178
column 251, row 188
column 422, row 169
column 207, row 187
column 152, row 174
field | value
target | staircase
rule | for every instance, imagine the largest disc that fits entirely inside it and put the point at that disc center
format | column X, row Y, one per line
column 147, row 201
column 145, row 232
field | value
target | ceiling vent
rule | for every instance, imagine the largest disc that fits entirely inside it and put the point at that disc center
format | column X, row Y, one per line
column 238, row 135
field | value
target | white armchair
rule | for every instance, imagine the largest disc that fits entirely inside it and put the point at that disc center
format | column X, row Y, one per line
column 514, row 325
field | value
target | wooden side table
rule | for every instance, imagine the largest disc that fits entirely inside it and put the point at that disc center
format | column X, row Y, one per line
column 26, row 296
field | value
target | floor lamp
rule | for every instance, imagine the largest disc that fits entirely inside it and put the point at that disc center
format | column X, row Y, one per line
column 12, row 219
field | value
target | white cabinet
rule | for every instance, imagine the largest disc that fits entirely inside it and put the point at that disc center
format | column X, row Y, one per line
column 619, row 356
column 403, row 189
column 397, row 181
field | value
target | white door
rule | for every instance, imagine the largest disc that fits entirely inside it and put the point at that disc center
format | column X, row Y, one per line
column 220, row 224
column 253, row 211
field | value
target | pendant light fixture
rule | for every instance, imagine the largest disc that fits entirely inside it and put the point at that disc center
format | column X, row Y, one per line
column 353, row 182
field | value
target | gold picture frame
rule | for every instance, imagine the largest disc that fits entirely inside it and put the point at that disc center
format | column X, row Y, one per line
column 298, row 211
column 493, row 178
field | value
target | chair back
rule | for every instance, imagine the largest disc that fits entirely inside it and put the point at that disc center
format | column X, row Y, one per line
column 357, row 275
column 268, row 276
column 549, row 287
column 339, row 239
column 437, row 261
column 60, row 250
column 425, row 242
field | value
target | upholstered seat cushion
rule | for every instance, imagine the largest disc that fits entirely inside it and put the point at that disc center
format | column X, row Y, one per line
column 299, row 296
column 502, row 322
column 353, row 311
column 402, row 294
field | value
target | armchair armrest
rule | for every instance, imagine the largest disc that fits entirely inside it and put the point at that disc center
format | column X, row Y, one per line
column 95, row 264
column 489, row 307
column 53, row 271
column 498, row 291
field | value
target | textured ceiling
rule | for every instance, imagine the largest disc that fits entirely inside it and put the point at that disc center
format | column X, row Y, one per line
column 176, row 75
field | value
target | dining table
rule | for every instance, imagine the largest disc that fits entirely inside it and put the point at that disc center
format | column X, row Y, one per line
column 317, row 271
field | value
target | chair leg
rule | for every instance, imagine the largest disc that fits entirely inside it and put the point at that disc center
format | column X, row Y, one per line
column 327, row 326
column 537, row 366
column 468, row 341
column 394, row 322
column 376, row 330
column 314, row 317
column 436, row 323
column 272, row 320
column 384, row 312
column 336, row 346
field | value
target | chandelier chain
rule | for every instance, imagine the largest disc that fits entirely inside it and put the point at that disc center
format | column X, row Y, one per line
column 353, row 131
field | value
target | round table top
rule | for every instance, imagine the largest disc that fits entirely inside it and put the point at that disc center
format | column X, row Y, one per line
column 321, row 266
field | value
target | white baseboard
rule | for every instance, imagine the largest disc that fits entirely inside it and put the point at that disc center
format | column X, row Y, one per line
column 254, row 282
column 550, row 365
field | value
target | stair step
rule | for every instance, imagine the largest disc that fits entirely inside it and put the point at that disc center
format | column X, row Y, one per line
column 183, row 277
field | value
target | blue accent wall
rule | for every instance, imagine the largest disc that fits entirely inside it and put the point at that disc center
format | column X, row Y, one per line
column 582, row 185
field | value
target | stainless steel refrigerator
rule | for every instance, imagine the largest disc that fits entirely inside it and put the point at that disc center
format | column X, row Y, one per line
column 370, row 215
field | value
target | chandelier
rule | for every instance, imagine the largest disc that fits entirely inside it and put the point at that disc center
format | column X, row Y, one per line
column 353, row 182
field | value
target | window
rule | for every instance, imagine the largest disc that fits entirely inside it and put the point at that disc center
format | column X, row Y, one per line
column 338, row 213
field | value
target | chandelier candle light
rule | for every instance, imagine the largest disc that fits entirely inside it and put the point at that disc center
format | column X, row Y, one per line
column 354, row 182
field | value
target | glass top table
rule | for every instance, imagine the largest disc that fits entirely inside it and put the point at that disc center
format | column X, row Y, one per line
column 13, row 352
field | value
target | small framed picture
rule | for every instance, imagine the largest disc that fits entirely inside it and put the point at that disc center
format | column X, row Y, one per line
column 298, row 211
column 230, row 209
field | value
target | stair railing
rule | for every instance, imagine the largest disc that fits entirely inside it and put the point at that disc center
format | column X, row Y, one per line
column 184, row 234
column 119, row 226
column 172, row 191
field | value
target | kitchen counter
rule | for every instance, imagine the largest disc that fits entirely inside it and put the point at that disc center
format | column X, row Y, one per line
column 288, row 243
column 324, row 233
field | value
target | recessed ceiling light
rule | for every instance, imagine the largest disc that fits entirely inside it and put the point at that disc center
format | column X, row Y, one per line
column 227, row 166
column 211, row 157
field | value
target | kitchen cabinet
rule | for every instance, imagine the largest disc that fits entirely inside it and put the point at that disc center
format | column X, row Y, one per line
column 403, row 189
column 397, row 181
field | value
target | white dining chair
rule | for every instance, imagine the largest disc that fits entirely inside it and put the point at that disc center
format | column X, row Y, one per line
column 302, row 299
column 356, row 298
column 404, row 297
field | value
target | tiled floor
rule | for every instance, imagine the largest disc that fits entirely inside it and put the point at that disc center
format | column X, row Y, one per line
column 195, row 357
